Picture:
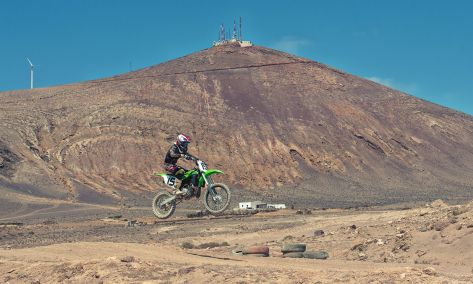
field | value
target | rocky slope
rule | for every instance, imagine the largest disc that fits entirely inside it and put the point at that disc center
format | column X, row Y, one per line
column 270, row 120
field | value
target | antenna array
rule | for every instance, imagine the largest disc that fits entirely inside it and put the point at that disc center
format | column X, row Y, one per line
column 226, row 37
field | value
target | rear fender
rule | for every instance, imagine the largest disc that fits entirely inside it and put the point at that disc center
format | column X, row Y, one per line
column 169, row 180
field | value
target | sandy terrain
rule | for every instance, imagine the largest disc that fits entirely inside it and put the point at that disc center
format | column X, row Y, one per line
column 428, row 244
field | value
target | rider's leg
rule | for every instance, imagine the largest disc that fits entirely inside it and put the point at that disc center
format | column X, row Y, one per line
column 170, row 168
column 179, row 174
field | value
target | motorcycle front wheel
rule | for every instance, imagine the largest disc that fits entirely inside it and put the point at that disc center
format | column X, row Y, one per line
column 217, row 198
column 163, row 211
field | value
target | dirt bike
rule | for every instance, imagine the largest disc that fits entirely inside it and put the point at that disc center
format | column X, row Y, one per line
column 216, row 197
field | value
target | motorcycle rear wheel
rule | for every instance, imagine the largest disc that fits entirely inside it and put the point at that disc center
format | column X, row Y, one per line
column 218, row 203
column 166, row 210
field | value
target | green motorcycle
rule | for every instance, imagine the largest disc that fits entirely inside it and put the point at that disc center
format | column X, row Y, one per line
column 216, row 198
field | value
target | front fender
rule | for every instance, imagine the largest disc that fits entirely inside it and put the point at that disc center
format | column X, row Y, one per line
column 212, row 172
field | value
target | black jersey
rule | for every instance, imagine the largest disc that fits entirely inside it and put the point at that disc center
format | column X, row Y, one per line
column 173, row 155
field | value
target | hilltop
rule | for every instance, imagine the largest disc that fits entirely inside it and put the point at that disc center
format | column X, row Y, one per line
column 275, row 123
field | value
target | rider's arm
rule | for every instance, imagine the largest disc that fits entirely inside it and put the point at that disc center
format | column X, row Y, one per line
column 174, row 152
column 189, row 157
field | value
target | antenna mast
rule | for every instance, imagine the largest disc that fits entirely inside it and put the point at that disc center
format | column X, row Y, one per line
column 241, row 38
column 222, row 32
column 227, row 36
column 234, row 36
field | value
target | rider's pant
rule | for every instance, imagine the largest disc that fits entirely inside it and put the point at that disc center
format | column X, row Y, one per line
column 175, row 170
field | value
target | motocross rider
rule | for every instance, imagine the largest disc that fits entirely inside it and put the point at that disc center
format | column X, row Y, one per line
column 177, row 150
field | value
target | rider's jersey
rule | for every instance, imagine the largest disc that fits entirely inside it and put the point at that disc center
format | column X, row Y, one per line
column 173, row 155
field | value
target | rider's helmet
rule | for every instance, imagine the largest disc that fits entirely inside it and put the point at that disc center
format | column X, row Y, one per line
column 182, row 142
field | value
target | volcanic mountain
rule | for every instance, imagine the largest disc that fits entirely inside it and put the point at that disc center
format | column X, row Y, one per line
column 275, row 123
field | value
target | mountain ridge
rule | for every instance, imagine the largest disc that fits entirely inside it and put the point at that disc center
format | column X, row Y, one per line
column 269, row 119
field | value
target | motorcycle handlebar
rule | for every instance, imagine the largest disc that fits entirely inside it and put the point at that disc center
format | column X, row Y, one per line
column 190, row 157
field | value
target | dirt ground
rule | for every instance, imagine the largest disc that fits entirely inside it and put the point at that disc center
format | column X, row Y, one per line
column 428, row 244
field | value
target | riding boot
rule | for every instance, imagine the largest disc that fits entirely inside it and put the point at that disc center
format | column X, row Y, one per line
column 178, row 191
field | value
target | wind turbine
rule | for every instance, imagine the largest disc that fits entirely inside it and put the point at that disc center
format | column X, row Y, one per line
column 31, row 72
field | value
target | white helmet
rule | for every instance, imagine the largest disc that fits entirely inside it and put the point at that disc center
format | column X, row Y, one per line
column 182, row 142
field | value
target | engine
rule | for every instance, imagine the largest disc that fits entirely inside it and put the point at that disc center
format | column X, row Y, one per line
column 188, row 191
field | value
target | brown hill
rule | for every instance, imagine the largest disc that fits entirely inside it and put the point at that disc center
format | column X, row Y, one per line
column 272, row 121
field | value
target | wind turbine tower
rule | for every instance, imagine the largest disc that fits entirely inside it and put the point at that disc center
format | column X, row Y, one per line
column 31, row 72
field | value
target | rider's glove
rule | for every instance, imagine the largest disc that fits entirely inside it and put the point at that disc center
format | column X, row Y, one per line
column 188, row 157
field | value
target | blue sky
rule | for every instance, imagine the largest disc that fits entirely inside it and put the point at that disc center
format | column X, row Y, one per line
column 424, row 48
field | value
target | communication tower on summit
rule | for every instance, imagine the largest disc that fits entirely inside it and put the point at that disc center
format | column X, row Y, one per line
column 235, row 38
column 222, row 33
column 240, row 30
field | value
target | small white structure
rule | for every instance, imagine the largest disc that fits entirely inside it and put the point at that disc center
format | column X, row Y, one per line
column 252, row 205
column 242, row 43
column 277, row 206
column 244, row 205
column 245, row 43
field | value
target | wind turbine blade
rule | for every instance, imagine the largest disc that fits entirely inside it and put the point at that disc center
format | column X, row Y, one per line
column 29, row 61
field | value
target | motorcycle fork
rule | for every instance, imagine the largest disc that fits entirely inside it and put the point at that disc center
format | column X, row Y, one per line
column 209, row 182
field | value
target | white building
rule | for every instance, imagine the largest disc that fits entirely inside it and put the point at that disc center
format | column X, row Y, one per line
column 244, row 205
column 252, row 205
column 245, row 43
column 242, row 43
column 277, row 206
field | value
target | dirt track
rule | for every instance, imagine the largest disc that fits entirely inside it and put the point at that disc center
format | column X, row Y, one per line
column 430, row 244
